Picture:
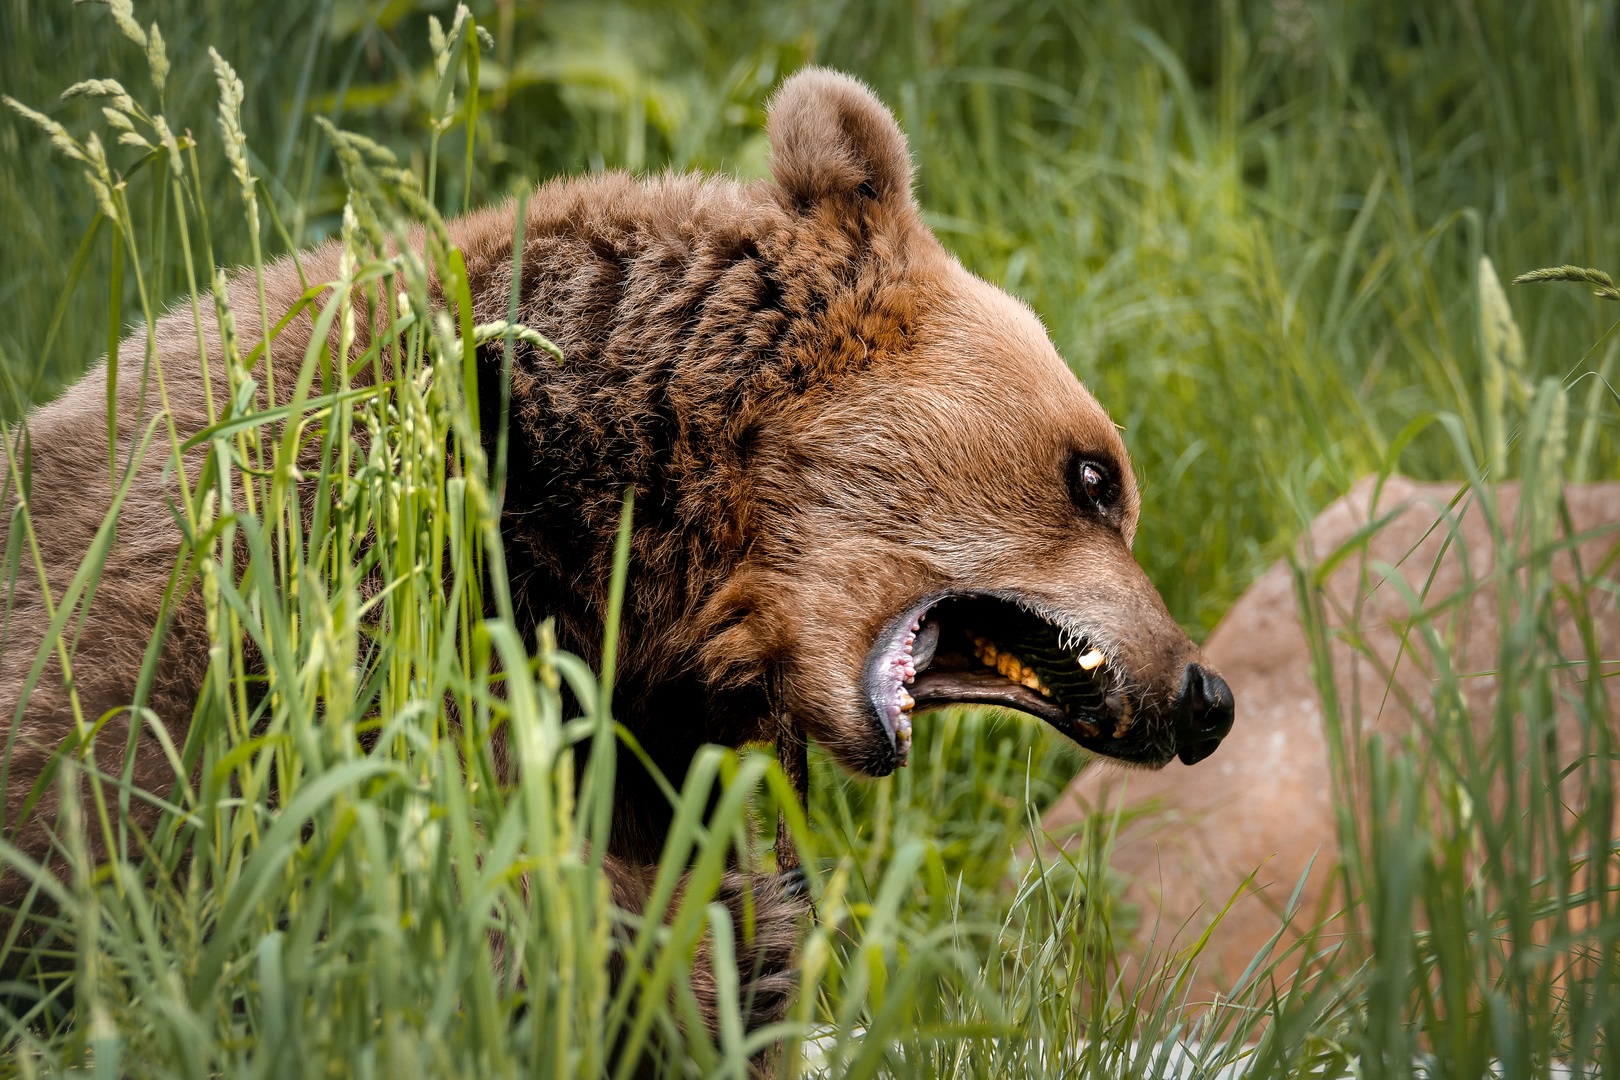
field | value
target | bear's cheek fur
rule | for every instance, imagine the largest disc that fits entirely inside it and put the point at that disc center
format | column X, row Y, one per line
column 811, row 612
column 882, row 507
column 840, row 607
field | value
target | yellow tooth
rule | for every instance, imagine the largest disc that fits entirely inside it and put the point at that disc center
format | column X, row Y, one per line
column 1007, row 665
column 1125, row 722
column 1091, row 660
column 906, row 701
column 1089, row 728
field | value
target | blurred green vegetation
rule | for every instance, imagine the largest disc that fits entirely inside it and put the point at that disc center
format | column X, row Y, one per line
column 1251, row 227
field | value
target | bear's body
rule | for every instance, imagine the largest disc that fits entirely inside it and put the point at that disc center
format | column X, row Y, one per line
column 854, row 465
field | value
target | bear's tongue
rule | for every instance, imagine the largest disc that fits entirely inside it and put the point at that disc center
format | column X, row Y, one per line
column 982, row 686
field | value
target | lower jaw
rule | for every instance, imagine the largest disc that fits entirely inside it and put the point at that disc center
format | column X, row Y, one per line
column 944, row 688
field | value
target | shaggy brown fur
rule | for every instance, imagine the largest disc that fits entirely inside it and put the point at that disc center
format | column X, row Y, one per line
column 824, row 417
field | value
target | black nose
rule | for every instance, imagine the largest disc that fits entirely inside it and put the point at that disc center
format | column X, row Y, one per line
column 1201, row 713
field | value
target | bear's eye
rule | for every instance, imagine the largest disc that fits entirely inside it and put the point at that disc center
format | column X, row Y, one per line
column 1093, row 487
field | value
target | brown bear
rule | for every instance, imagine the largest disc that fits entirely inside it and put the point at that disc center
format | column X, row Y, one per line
column 866, row 484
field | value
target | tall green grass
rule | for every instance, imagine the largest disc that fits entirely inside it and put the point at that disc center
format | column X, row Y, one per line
column 1479, row 850
column 1253, row 229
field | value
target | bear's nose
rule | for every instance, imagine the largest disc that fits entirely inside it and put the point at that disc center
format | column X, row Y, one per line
column 1201, row 715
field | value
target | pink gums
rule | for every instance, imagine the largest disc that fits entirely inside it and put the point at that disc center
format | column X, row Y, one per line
column 898, row 672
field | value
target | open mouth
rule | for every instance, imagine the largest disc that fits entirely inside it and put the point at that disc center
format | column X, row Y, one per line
column 989, row 649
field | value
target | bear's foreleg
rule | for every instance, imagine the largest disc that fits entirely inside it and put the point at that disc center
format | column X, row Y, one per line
column 767, row 916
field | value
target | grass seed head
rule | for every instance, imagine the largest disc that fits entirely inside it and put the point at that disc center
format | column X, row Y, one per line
column 230, row 121
column 123, row 13
column 1605, row 284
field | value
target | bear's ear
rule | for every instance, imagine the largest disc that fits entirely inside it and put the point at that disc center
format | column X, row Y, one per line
column 831, row 136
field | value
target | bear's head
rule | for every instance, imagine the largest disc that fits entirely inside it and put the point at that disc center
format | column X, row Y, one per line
column 939, row 512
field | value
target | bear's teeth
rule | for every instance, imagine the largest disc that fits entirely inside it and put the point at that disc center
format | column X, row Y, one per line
column 907, row 702
column 1091, row 660
column 1009, row 666
column 1122, row 704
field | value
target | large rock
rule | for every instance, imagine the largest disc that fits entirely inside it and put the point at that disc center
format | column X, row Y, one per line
column 1264, row 800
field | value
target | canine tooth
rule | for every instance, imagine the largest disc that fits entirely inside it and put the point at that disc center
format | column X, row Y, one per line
column 1091, row 660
